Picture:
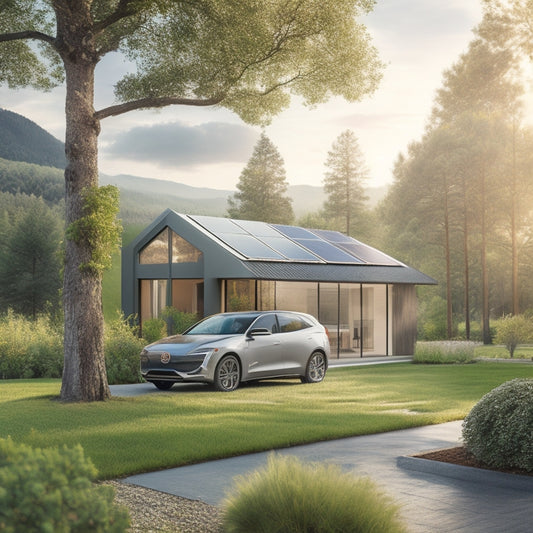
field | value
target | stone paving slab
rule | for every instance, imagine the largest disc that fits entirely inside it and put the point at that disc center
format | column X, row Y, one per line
column 431, row 502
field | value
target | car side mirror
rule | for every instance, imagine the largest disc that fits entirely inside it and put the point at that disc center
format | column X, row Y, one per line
column 259, row 332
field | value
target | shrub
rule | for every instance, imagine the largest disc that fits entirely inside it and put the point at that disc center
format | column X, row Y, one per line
column 444, row 352
column 432, row 320
column 178, row 321
column 512, row 331
column 499, row 428
column 122, row 352
column 288, row 495
column 30, row 348
column 154, row 329
column 51, row 490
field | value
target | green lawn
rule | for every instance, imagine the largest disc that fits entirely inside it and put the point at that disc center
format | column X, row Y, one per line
column 128, row 435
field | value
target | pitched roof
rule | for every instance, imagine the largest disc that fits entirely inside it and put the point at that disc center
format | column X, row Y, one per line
column 292, row 253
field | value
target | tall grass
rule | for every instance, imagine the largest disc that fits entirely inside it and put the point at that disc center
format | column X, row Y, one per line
column 288, row 495
column 30, row 348
column 445, row 352
column 34, row 348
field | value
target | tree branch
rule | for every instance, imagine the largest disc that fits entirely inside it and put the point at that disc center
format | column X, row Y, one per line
column 154, row 102
column 29, row 34
column 124, row 9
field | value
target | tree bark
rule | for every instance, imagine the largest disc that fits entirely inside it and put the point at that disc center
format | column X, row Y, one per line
column 449, row 313
column 484, row 271
column 84, row 372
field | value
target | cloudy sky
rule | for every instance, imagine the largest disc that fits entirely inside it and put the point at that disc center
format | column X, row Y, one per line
column 417, row 39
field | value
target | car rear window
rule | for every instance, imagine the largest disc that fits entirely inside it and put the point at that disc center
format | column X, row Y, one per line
column 288, row 322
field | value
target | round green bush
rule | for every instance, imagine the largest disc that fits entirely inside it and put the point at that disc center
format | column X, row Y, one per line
column 499, row 428
column 50, row 490
column 289, row 496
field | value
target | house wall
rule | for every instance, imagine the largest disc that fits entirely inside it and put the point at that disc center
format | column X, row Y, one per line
column 403, row 319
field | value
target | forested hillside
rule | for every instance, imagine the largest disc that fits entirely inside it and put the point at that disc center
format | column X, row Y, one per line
column 23, row 140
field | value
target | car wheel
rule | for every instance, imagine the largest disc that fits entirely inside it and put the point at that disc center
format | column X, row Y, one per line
column 227, row 374
column 163, row 385
column 316, row 368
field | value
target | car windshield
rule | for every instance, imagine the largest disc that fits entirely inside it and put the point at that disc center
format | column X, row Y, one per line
column 222, row 325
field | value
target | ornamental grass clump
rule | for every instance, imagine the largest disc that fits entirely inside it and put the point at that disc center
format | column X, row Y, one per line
column 289, row 496
column 51, row 491
column 498, row 431
column 444, row 352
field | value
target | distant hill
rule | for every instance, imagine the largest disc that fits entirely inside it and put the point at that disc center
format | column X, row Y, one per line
column 23, row 140
column 30, row 159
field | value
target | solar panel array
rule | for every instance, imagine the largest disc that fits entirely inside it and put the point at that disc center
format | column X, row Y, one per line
column 261, row 241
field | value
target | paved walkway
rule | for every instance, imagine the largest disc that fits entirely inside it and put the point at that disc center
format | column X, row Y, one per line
column 435, row 497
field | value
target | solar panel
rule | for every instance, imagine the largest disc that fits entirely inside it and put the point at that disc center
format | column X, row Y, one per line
column 258, row 229
column 327, row 251
column 217, row 225
column 290, row 249
column 278, row 242
column 294, row 232
column 250, row 247
column 362, row 251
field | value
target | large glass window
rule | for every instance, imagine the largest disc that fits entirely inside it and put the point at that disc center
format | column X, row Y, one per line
column 328, row 313
column 297, row 296
column 374, row 320
column 153, row 296
column 188, row 295
column 240, row 295
column 350, row 318
column 183, row 251
column 266, row 295
column 156, row 251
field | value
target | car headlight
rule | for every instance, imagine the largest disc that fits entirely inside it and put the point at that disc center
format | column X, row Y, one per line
column 206, row 353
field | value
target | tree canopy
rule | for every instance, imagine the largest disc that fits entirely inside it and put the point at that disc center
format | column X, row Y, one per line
column 262, row 187
column 344, row 183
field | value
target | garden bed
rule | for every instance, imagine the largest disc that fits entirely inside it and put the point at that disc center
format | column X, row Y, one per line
column 460, row 456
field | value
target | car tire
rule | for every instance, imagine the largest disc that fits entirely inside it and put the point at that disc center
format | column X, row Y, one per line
column 315, row 370
column 227, row 374
column 163, row 385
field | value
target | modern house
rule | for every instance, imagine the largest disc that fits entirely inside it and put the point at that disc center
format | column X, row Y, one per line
column 205, row 265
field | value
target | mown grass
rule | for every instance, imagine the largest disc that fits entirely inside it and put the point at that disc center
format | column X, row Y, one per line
column 194, row 424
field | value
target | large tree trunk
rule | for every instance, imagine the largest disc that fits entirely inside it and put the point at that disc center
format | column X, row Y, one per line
column 449, row 313
column 484, row 269
column 514, row 231
column 84, row 373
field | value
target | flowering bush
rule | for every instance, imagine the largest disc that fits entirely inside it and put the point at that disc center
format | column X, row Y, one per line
column 499, row 428
column 444, row 352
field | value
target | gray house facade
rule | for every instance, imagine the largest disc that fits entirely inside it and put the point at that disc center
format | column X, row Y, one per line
column 206, row 265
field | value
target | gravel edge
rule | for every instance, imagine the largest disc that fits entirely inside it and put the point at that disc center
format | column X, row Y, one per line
column 152, row 511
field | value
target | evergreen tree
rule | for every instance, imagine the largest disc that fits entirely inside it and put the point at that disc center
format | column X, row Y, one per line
column 343, row 183
column 262, row 187
column 30, row 262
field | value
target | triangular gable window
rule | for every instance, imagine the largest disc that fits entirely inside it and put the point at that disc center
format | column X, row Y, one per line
column 156, row 252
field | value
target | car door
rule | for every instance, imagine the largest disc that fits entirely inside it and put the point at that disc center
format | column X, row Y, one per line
column 263, row 351
column 296, row 343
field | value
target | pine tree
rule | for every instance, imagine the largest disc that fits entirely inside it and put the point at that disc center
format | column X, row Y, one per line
column 343, row 183
column 262, row 187
column 30, row 262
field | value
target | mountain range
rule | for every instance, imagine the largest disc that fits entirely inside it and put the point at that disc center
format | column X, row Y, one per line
column 142, row 199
